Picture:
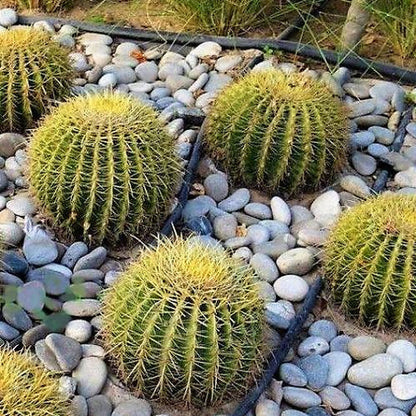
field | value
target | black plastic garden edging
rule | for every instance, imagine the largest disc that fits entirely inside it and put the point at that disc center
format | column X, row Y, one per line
column 349, row 59
column 383, row 176
column 282, row 350
column 300, row 22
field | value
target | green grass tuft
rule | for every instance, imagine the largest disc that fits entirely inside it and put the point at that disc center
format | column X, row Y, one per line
column 397, row 20
column 231, row 17
column 49, row 6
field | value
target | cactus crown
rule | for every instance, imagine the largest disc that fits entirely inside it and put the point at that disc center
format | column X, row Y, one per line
column 185, row 324
column 33, row 70
column 278, row 132
column 26, row 389
column 104, row 167
column 370, row 264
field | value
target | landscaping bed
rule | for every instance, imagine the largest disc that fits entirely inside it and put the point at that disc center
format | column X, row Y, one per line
column 53, row 282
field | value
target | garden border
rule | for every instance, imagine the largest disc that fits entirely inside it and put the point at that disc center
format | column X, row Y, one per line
column 356, row 62
column 349, row 59
column 382, row 178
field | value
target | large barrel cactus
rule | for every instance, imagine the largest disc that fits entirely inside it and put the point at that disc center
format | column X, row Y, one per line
column 185, row 324
column 370, row 262
column 278, row 132
column 33, row 70
column 27, row 389
column 104, row 167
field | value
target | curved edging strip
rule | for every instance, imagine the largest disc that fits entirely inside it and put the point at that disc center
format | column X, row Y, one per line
column 383, row 176
column 349, row 59
column 300, row 22
column 282, row 350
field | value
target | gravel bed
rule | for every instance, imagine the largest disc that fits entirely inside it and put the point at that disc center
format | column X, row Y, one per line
column 281, row 239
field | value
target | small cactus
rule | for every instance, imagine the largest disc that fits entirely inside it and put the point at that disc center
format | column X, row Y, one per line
column 278, row 132
column 33, row 70
column 370, row 262
column 27, row 389
column 185, row 324
column 103, row 167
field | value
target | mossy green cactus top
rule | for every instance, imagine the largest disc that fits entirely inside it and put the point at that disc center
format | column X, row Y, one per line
column 27, row 389
column 185, row 324
column 104, row 167
column 370, row 261
column 33, row 70
column 278, row 132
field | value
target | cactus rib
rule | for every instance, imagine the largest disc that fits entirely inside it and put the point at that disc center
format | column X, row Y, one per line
column 185, row 324
column 278, row 132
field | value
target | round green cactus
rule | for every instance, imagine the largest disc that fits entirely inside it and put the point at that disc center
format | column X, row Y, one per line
column 370, row 262
column 185, row 324
column 27, row 389
column 33, row 70
column 278, row 132
column 104, row 167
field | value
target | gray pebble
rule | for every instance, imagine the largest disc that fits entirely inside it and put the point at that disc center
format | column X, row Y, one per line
column 90, row 375
column 301, row 397
column 265, row 267
column 361, row 400
column 93, row 260
column 291, row 374
column 216, row 186
column 316, row 369
column 313, row 345
column 324, row 329
column 238, row 200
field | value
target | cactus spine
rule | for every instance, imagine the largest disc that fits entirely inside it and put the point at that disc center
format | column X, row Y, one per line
column 33, row 70
column 278, row 132
column 26, row 389
column 185, row 324
column 370, row 265
column 104, row 167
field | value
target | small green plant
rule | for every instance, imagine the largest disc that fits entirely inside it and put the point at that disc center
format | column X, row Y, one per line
column 370, row 262
column 231, row 17
column 33, row 70
column 104, row 167
column 397, row 20
column 27, row 389
column 49, row 6
column 185, row 324
column 278, row 132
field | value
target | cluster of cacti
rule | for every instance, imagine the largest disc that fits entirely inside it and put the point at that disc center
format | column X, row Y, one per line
column 370, row 264
column 48, row 6
column 103, row 167
column 278, row 132
column 33, row 70
column 185, row 324
column 27, row 389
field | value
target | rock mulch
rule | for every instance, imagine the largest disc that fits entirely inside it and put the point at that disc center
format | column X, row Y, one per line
column 282, row 240
column 333, row 373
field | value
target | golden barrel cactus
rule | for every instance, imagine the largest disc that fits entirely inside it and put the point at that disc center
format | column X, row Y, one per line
column 33, row 70
column 27, row 389
column 185, row 324
column 104, row 167
column 370, row 262
column 278, row 132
